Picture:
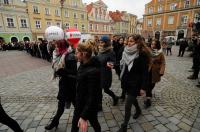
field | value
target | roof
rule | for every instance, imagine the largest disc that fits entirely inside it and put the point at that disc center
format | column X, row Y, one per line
column 116, row 16
column 89, row 7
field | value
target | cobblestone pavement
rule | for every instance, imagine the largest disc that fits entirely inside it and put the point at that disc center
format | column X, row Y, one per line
column 29, row 96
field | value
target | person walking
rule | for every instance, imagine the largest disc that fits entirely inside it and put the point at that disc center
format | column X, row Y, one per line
column 157, row 69
column 183, row 45
column 8, row 121
column 106, row 57
column 88, row 90
column 169, row 45
column 135, row 62
column 66, row 71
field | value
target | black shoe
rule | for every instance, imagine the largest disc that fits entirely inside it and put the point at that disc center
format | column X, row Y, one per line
column 137, row 114
column 115, row 101
column 123, row 128
column 192, row 77
column 147, row 103
column 52, row 125
column 198, row 85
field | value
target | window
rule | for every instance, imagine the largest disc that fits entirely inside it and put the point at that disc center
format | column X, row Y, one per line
column 198, row 2
column 76, row 25
column 83, row 27
column 75, row 16
column 37, row 24
column 10, row 22
column 150, row 10
column 171, row 20
column 160, row 9
column 96, row 27
column 184, row 19
column 67, row 25
column 149, row 22
column 82, row 16
column 197, row 17
column 158, row 22
column 6, row 2
column 104, row 27
column 23, row 23
column 187, row 4
column 48, row 24
column 91, row 26
column 74, row 3
column 58, row 24
column 173, row 6
column 35, row 9
column 66, row 13
column 57, row 12
column 47, row 11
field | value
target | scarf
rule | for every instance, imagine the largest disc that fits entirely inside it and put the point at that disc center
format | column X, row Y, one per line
column 103, row 49
column 156, row 52
column 128, row 57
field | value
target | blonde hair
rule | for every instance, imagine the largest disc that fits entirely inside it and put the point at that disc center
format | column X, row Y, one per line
column 86, row 48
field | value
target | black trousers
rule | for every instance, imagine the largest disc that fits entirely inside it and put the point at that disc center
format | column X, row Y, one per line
column 149, row 89
column 109, row 92
column 169, row 50
column 131, row 100
column 181, row 52
column 93, row 119
column 8, row 121
column 196, row 66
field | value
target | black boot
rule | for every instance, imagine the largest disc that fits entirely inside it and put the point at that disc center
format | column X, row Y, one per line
column 137, row 114
column 53, row 124
column 115, row 100
column 147, row 103
column 123, row 128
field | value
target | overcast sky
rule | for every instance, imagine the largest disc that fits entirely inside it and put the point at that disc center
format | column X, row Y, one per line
column 131, row 6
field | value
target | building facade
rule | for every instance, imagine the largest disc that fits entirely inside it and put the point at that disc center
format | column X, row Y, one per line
column 14, row 22
column 170, row 18
column 99, row 19
column 65, row 14
column 123, row 22
column 139, row 26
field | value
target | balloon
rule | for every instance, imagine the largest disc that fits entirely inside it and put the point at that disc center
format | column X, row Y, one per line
column 54, row 33
column 73, row 36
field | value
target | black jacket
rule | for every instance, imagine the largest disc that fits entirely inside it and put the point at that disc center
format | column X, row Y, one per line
column 106, row 72
column 137, row 77
column 88, row 88
column 67, row 82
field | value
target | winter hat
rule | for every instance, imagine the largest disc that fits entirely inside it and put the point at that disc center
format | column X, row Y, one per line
column 105, row 39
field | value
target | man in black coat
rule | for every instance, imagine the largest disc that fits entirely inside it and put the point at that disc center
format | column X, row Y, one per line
column 183, row 46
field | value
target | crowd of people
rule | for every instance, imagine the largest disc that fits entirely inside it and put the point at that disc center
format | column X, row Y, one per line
column 84, row 71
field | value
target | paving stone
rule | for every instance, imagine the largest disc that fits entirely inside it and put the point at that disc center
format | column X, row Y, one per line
column 172, row 127
column 161, row 128
column 163, row 120
column 196, row 125
column 136, row 127
column 104, row 127
column 155, row 113
column 34, row 124
column 111, row 123
column 184, row 126
column 147, row 126
column 31, row 130
column 187, row 121
column 174, row 120
column 150, row 117
column 155, row 122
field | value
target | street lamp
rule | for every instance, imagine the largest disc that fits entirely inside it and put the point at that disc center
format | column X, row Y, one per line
column 62, row 4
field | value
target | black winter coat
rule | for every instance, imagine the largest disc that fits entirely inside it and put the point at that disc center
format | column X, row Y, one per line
column 67, row 82
column 106, row 72
column 88, row 88
column 137, row 77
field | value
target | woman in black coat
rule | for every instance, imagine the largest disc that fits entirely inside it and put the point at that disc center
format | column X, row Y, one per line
column 87, row 90
column 134, row 63
column 66, row 70
column 107, row 59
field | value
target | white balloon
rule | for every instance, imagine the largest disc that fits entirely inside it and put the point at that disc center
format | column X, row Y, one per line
column 54, row 33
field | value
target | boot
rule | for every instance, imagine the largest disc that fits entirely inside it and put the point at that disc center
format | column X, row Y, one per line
column 53, row 124
column 123, row 128
column 137, row 113
column 115, row 100
column 147, row 103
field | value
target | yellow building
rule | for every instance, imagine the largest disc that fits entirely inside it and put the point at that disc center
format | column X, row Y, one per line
column 170, row 18
column 14, row 22
column 132, row 24
column 42, row 14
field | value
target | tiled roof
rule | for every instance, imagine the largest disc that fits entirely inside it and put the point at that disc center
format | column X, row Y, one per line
column 89, row 7
column 116, row 16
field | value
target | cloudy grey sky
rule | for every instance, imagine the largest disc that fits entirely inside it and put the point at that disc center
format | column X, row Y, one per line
column 131, row 6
